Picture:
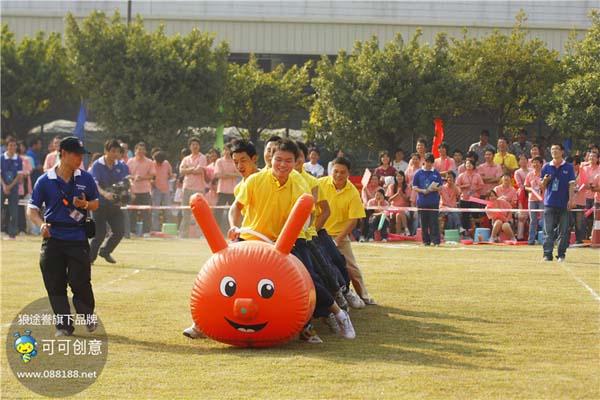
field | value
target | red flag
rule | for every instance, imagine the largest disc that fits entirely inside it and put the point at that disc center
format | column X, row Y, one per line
column 439, row 137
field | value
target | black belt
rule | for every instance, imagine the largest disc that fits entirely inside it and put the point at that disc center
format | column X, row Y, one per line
column 67, row 224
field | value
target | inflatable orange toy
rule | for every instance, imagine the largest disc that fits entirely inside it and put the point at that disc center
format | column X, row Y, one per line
column 252, row 294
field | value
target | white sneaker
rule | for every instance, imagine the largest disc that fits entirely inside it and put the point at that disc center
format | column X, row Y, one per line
column 353, row 300
column 347, row 330
column 332, row 323
column 193, row 333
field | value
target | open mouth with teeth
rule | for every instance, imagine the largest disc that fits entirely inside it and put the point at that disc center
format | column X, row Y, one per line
column 246, row 328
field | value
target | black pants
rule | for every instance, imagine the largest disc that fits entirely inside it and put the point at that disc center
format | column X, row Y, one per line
column 142, row 199
column 430, row 225
column 114, row 217
column 67, row 262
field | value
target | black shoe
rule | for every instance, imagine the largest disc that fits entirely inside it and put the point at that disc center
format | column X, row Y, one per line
column 107, row 257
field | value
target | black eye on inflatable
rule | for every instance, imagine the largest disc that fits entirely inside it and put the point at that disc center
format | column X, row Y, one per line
column 266, row 288
column 228, row 286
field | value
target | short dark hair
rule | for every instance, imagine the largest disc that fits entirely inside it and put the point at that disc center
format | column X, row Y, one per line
column 112, row 144
column 287, row 145
column 538, row 158
column 273, row 138
column 194, row 139
column 429, row 157
column 458, row 151
column 473, row 154
column 443, row 145
column 451, row 173
column 302, row 147
column 34, row 140
column 342, row 161
column 422, row 140
column 558, row 144
column 484, row 132
column 139, row 144
column 244, row 146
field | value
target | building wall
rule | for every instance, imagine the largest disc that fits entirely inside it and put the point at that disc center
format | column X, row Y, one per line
column 315, row 28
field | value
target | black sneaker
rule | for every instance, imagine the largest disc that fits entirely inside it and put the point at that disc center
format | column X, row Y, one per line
column 107, row 257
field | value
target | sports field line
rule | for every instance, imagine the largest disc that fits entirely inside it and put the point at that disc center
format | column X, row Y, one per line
column 585, row 285
column 120, row 278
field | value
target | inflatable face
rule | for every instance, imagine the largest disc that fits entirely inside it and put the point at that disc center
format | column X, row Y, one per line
column 252, row 294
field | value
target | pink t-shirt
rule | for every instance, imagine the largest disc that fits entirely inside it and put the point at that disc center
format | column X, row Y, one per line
column 163, row 173
column 520, row 176
column 27, row 168
column 579, row 195
column 445, row 165
column 509, row 194
column 489, row 171
column 367, row 193
column 225, row 185
column 211, row 197
column 501, row 215
column 534, row 182
column 475, row 184
column 400, row 200
column 590, row 174
column 194, row 182
column 596, row 183
column 50, row 160
column 143, row 167
column 449, row 196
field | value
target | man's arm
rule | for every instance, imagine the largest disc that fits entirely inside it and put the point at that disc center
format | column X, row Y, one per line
column 235, row 219
column 346, row 231
column 325, row 213
column 34, row 215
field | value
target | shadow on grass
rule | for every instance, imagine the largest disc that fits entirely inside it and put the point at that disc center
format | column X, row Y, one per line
column 384, row 334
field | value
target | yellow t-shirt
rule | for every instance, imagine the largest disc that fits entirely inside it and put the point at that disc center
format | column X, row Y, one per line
column 267, row 204
column 509, row 160
column 345, row 204
column 312, row 182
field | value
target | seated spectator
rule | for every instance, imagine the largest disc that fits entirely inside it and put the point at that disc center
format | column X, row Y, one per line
column 399, row 162
column 506, row 191
column 377, row 214
column 501, row 220
column 470, row 184
column 313, row 167
column 368, row 193
column 398, row 195
column 449, row 198
column 443, row 163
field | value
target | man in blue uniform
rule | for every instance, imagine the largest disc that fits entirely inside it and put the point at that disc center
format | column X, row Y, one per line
column 68, row 194
column 427, row 182
column 558, row 184
column 107, row 171
column 11, row 170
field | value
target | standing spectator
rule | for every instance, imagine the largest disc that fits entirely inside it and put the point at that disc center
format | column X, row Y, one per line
column 443, row 163
column 520, row 176
column 490, row 173
column 578, row 216
column 558, row 184
column 483, row 145
column 399, row 196
column 338, row 153
column 521, row 145
column 127, row 154
column 11, row 171
column 25, row 185
column 123, row 159
column 449, row 198
column 421, row 148
column 470, row 184
column 399, row 162
column 108, row 171
column 411, row 170
column 193, row 169
column 52, row 157
column 457, row 155
column 312, row 166
column 504, row 159
column 427, row 182
column 590, row 172
column 212, row 156
column 535, row 152
column 471, row 155
column 161, row 195
column 142, row 172
column 533, row 186
column 35, row 152
column 227, row 176
column 68, row 193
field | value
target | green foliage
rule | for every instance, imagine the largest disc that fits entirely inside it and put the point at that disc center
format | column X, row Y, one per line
column 374, row 97
column 257, row 100
column 142, row 85
column 35, row 82
column 505, row 75
column 575, row 102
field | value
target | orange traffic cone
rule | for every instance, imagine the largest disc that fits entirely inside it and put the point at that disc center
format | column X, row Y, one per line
column 596, row 229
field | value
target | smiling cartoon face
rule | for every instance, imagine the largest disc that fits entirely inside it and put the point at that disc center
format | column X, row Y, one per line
column 24, row 348
column 252, row 295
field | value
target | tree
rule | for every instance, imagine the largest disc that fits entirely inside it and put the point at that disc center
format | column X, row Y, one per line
column 575, row 102
column 505, row 75
column 35, row 81
column 374, row 98
column 146, row 86
column 257, row 100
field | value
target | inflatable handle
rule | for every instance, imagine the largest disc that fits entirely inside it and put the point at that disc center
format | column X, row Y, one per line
column 207, row 223
column 294, row 223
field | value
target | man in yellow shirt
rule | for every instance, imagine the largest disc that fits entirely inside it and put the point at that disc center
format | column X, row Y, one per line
column 503, row 158
column 346, row 209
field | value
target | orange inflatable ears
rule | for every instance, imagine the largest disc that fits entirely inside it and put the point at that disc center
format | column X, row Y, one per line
column 252, row 294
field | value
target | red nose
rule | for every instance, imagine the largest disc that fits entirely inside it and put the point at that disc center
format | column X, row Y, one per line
column 245, row 309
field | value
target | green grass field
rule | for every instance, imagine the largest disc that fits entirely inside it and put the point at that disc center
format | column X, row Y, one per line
column 471, row 322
